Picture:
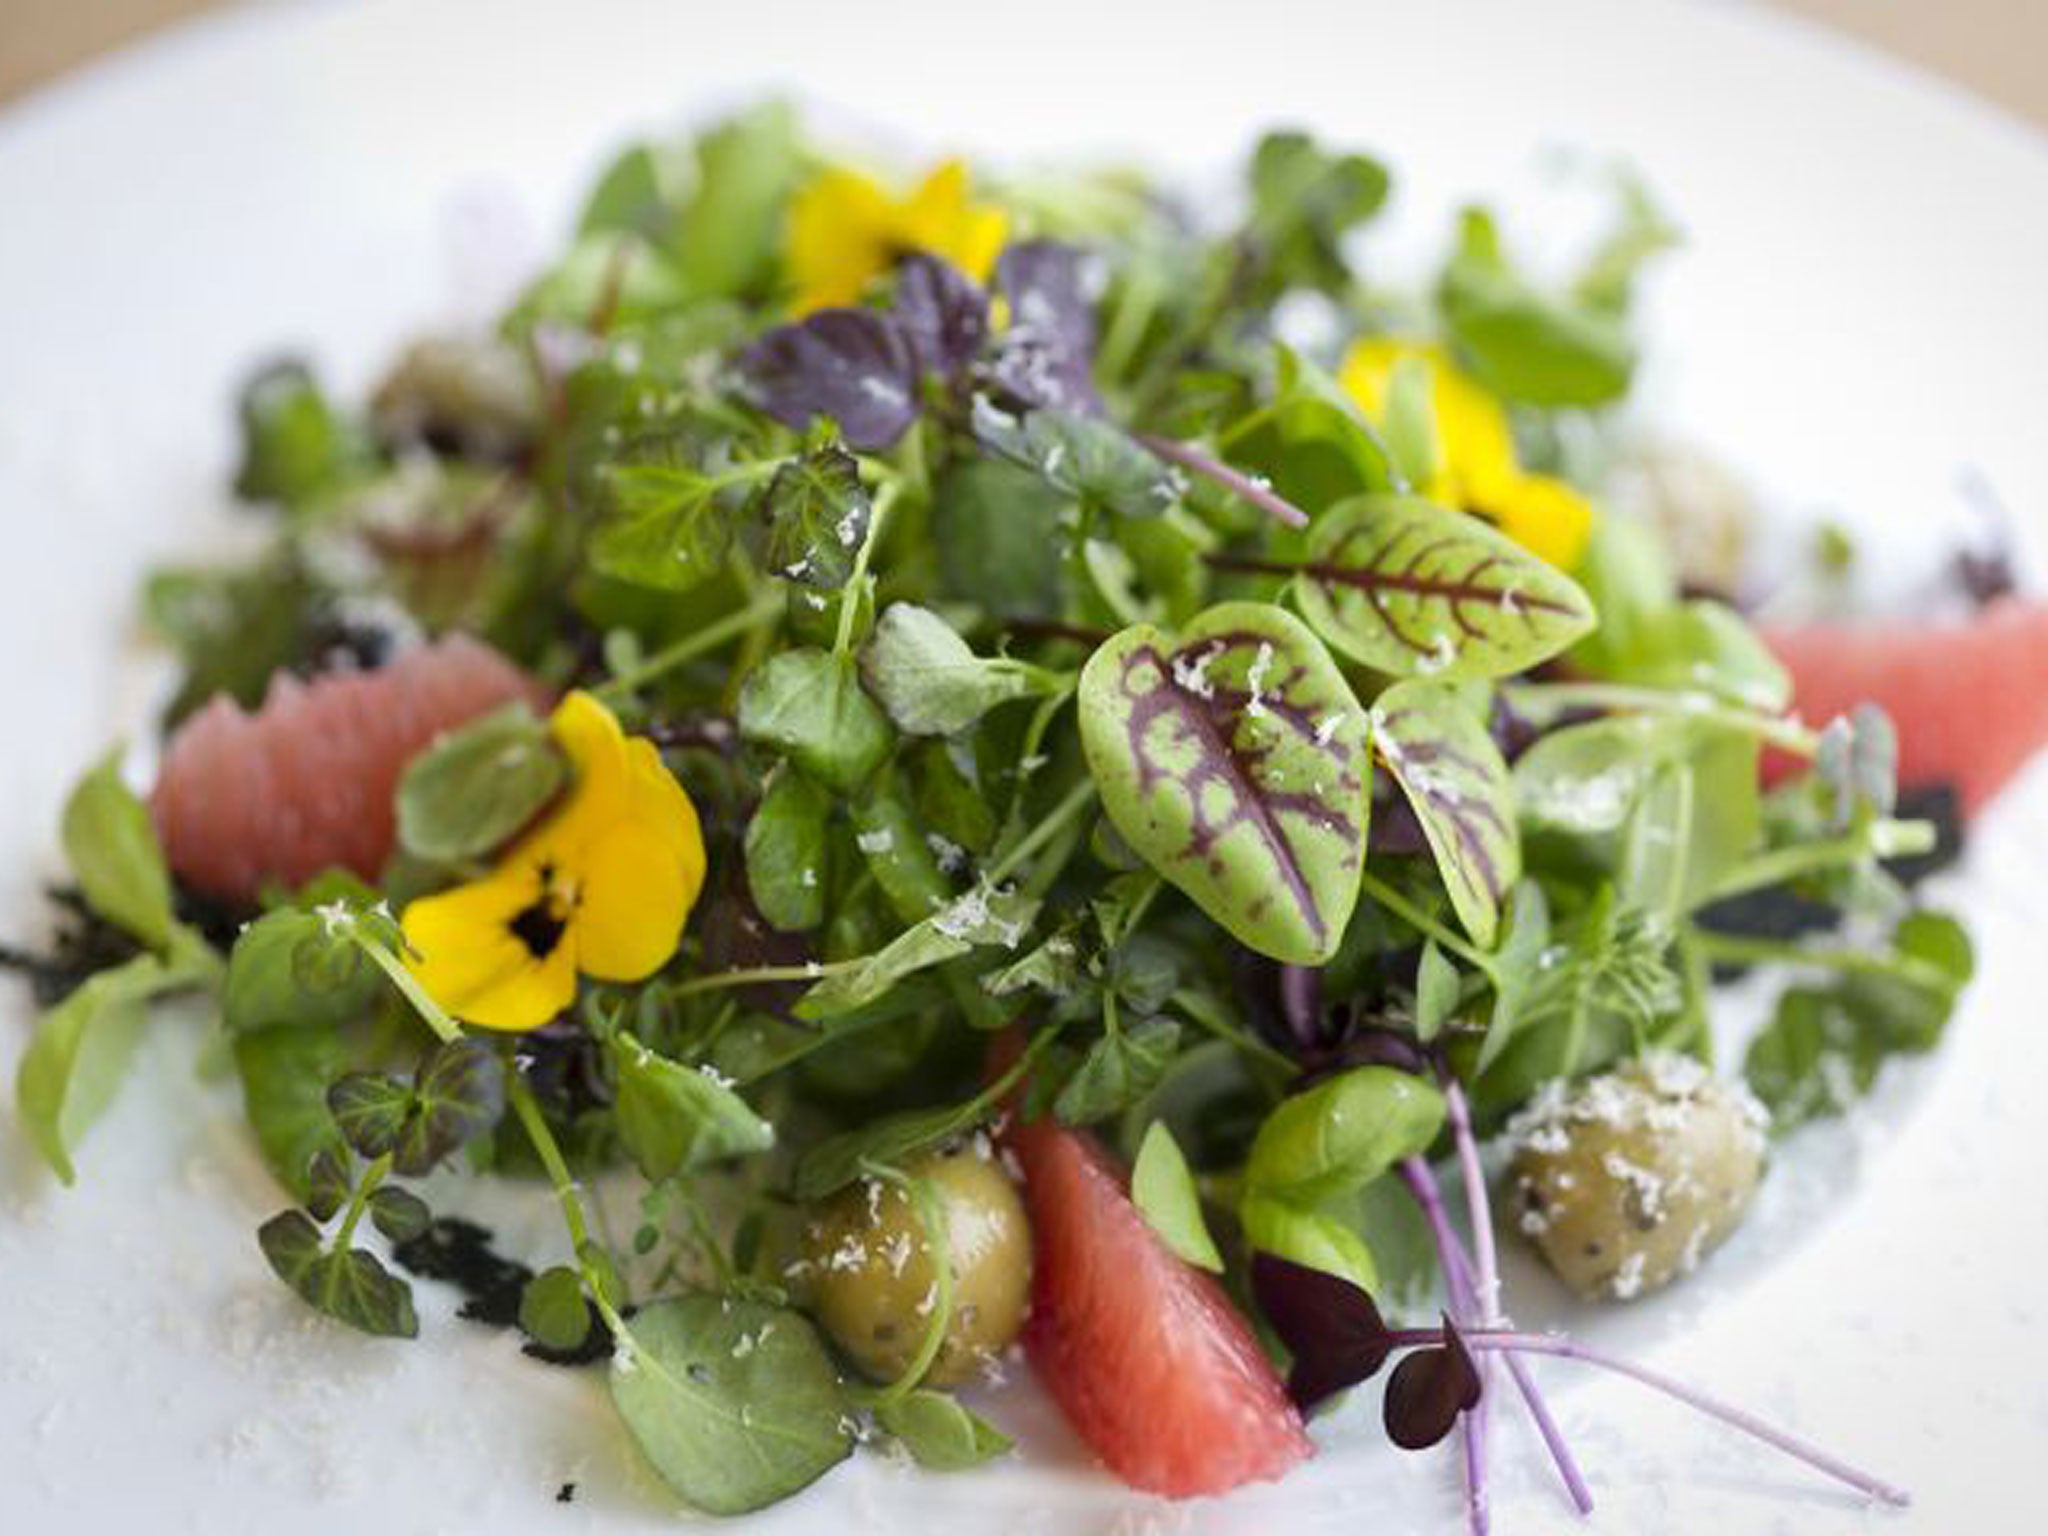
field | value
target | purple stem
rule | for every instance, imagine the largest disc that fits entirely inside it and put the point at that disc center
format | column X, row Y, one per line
column 1259, row 494
column 1484, row 1284
column 1507, row 1340
column 1421, row 1182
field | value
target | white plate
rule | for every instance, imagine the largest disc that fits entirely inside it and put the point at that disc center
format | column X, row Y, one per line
column 1859, row 315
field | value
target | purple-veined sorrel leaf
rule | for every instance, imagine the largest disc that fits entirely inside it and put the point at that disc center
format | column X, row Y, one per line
column 1415, row 590
column 942, row 312
column 856, row 366
column 1442, row 756
column 1046, row 355
column 1428, row 1390
column 1234, row 760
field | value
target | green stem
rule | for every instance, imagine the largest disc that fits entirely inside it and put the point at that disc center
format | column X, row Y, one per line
column 1740, row 949
column 938, row 1246
column 1422, row 922
column 813, row 970
column 436, row 1017
column 1786, row 735
column 1078, row 799
column 1138, row 302
column 849, row 595
column 1882, row 839
column 535, row 1124
column 1202, row 1011
column 359, row 1202
column 691, row 646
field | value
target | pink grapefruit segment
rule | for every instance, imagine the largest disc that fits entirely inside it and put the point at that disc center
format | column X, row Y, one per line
column 1144, row 1354
column 1970, row 699
column 306, row 782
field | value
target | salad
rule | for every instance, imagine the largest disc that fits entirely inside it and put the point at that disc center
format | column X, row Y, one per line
column 1038, row 773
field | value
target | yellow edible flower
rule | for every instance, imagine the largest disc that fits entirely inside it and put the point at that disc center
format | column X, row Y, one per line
column 601, row 887
column 845, row 230
column 1476, row 467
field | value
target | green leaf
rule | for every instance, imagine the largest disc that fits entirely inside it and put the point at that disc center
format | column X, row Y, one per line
column 458, row 1093
column 978, row 918
column 82, row 1047
column 1307, row 1236
column 998, row 536
column 808, row 704
column 1123, row 1065
column 785, row 852
column 630, row 198
column 1304, row 201
column 294, row 968
column 929, row 680
column 1342, row 1133
column 471, row 790
column 817, row 513
column 1416, row 590
column 399, row 1214
column 729, row 1428
column 295, row 446
column 1440, row 753
column 1087, row 459
column 1437, row 989
column 553, row 1311
column 1517, row 967
column 1234, row 761
column 351, row 1287
column 732, row 224
column 1410, row 421
column 285, row 1070
column 667, row 527
column 1164, row 1192
column 327, row 1182
column 892, row 844
column 112, row 848
column 1312, row 442
column 369, row 1109
column 676, row 1119
column 940, row 1433
column 1824, row 1045
column 1524, row 345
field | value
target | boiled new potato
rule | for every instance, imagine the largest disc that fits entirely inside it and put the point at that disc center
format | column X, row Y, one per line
column 870, row 1274
column 1625, row 1181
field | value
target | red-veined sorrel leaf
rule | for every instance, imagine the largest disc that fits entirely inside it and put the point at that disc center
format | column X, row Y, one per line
column 1439, row 752
column 1235, row 761
column 1416, row 590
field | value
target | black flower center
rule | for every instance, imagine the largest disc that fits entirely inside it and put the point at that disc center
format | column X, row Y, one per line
column 540, row 926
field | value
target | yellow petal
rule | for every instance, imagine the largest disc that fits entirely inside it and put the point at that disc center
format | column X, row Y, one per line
column 1546, row 516
column 1475, row 446
column 600, row 791
column 635, row 898
column 839, row 239
column 469, row 960
column 939, row 219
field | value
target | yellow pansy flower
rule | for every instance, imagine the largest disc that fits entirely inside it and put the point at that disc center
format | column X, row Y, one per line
column 1476, row 467
column 601, row 887
column 845, row 230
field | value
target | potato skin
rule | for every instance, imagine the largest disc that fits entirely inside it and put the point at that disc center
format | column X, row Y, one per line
column 1626, row 1181
column 872, row 1283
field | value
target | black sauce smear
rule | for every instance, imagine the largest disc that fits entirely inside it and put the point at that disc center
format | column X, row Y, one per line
column 460, row 1253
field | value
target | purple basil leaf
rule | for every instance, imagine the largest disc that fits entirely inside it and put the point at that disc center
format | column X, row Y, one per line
column 1046, row 357
column 942, row 313
column 1428, row 1390
column 854, row 365
column 1330, row 1327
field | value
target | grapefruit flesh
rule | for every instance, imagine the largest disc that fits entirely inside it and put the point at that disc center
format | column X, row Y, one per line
column 306, row 782
column 1970, row 699
column 1143, row 1353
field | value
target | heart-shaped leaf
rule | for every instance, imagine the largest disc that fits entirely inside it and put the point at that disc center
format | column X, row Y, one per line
column 1416, row 590
column 854, row 365
column 1440, row 754
column 1428, row 1390
column 1234, row 761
